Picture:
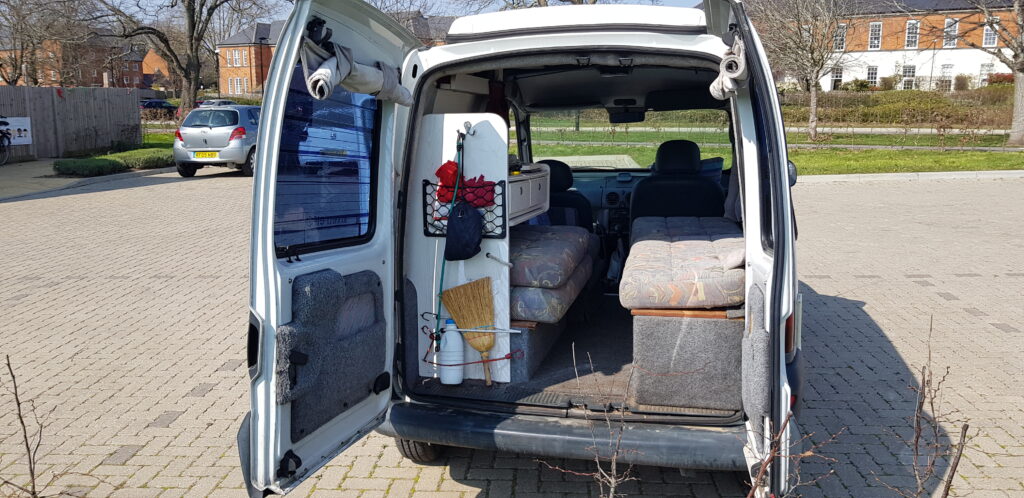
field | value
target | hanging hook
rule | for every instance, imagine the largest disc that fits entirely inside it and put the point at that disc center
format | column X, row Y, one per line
column 469, row 128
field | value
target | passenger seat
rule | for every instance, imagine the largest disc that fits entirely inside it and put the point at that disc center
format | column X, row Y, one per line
column 676, row 188
column 568, row 207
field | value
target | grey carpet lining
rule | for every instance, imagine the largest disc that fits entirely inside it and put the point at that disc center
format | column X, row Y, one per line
column 330, row 353
column 757, row 373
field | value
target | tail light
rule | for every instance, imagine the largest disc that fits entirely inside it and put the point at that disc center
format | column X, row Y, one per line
column 237, row 133
column 177, row 136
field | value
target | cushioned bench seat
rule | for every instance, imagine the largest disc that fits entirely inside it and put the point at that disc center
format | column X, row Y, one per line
column 550, row 266
column 683, row 262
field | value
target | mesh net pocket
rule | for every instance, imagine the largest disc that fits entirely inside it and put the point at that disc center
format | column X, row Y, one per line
column 488, row 199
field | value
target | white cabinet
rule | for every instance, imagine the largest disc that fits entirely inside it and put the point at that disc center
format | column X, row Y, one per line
column 528, row 193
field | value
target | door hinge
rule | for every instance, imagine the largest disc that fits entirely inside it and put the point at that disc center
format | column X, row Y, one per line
column 289, row 465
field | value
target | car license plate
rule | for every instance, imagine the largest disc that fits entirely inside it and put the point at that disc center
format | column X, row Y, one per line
column 206, row 155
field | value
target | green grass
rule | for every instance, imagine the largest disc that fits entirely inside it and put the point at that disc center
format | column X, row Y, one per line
column 830, row 161
column 157, row 140
column 115, row 163
column 794, row 138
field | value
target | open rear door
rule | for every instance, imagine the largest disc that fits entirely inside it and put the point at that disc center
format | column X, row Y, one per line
column 321, row 335
column 769, row 446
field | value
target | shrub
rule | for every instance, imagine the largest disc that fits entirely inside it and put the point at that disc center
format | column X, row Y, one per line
column 157, row 114
column 1000, row 79
column 92, row 166
column 144, row 158
column 857, row 86
column 962, row 82
column 115, row 163
column 888, row 82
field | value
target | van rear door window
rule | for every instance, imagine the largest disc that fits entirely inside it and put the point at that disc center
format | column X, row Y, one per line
column 326, row 170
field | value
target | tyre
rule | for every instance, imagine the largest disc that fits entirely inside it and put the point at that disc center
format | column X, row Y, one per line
column 187, row 170
column 247, row 166
column 419, row 452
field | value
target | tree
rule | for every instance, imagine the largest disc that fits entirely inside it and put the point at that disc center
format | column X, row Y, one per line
column 181, row 44
column 1009, row 49
column 40, row 36
column 804, row 38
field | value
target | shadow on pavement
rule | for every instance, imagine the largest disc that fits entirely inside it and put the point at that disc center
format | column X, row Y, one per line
column 132, row 182
column 856, row 382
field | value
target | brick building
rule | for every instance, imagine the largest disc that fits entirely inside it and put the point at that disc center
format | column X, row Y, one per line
column 243, row 59
column 98, row 59
column 922, row 47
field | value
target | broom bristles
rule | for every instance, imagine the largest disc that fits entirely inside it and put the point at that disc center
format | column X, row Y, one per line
column 471, row 304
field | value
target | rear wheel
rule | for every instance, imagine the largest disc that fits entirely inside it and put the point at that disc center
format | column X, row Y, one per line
column 186, row 170
column 247, row 166
column 419, row 452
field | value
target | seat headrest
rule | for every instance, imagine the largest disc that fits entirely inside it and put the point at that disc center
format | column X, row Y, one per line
column 677, row 157
column 561, row 175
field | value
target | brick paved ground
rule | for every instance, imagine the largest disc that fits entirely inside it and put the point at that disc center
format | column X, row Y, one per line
column 124, row 313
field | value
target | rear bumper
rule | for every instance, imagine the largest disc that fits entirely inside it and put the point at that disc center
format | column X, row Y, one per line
column 690, row 447
column 234, row 153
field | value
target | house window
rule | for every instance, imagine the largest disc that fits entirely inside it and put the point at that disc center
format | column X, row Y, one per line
column 873, row 75
column 909, row 73
column 839, row 40
column 875, row 36
column 950, row 32
column 990, row 38
column 986, row 70
column 124, row 66
column 135, row 80
column 231, row 87
column 913, row 34
column 53, row 75
column 238, row 57
column 246, row 86
column 227, row 58
column 135, row 66
column 945, row 82
column 95, row 73
column 125, row 79
column 245, row 57
column 837, row 78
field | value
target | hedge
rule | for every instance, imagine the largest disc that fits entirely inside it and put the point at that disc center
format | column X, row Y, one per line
column 115, row 163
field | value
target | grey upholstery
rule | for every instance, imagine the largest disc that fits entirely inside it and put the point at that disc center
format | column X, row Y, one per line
column 333, row 349
column 683, row 263
column 687, row 362
column 550, row 267
column 676, row 187
column 567, row 207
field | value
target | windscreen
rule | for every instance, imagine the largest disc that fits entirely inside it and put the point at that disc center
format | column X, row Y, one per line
column 211, row 118
column 586, row 141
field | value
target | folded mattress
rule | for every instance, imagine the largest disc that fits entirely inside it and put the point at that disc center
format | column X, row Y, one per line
column 540, row 304
column 683, row 262
column 546, row 256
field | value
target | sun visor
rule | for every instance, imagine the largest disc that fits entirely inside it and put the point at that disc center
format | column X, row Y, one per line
column 324, row 71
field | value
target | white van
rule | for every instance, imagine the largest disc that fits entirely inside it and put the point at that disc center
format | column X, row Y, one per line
column 397, row 188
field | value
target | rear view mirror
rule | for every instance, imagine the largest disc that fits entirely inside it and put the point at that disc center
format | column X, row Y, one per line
column 620, row 116
column 791, row 169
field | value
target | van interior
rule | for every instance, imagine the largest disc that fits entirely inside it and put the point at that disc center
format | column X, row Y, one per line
column 616, row 286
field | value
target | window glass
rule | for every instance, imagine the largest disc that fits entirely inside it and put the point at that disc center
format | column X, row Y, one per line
column 913, row 33
column 205, row 117
column 949, row 33
column 873, row 75
column 254, row 116
column 990, row 37
column 909, row 73
column 326, row 168
column 875, row 36
column 839, row 40
column 837, row 78
column 585, row 140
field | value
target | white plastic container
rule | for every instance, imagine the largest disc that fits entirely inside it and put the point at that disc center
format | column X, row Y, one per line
column 451, row 354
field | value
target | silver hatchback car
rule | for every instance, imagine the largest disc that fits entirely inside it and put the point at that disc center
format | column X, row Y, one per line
column 217, row 136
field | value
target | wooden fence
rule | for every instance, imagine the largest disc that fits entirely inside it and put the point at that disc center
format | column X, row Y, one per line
column 68, row 121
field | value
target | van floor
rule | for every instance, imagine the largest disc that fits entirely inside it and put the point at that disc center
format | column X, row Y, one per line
column 601, row 335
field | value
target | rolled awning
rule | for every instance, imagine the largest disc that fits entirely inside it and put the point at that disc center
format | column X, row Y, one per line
column 324, row 71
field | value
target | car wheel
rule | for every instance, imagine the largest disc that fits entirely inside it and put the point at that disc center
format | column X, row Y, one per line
column 419, row 452
column 247, row 166
column 187, row 170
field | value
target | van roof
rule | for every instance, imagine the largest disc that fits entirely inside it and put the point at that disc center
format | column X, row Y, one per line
column 577, row 18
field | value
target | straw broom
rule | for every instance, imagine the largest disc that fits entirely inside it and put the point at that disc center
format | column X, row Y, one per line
column 472, row 307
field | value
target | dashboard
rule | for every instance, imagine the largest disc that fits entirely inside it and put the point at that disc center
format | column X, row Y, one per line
column 610, row 193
